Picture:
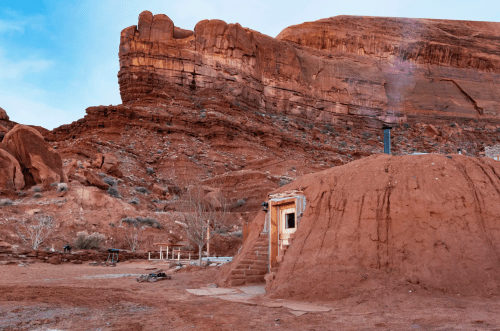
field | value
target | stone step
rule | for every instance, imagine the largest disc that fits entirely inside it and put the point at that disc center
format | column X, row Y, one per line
column 275, row 264
column 252, row 266
column 256, row 279
column 237, row 271
column 255, row 257
column 238, row 282
column 242, row 276
column 255, row 272
column 275, row 270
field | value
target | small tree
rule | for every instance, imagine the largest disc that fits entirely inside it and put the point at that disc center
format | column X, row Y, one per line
column 202, row 216
column 34, row 231
column 132, row 232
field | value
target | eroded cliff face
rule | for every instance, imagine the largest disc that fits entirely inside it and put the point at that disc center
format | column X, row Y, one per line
column 371, row 69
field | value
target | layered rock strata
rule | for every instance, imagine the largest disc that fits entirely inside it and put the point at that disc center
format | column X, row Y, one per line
column 376, row 69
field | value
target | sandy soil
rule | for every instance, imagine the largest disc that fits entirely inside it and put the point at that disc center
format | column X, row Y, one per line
column 83, row 297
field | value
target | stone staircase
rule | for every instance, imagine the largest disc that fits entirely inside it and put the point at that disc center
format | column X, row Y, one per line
column 279, row 260
column 254, row 265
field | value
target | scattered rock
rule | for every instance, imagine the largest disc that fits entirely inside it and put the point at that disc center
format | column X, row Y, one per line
column 111, row 165
column 95, row 180
column 54, row 260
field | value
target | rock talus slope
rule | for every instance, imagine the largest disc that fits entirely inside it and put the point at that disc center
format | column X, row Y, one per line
column 428, row 221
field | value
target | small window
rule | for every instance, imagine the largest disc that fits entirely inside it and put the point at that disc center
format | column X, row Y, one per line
column 290, row 221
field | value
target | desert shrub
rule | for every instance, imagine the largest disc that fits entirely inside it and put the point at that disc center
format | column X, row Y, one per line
column 406, row 125
column 5, row 202
column 36, row 189
column 102, row 174
column 453, row 125
column 367, row 135
column 54, row 184
column 150, row 171
column 62, row 187
column 141, row 221
column 37, row 195
column 240, row 203
column 238, row 233
column 343, row 144
column 134, row 201
column 284, row 181
column 84, row 240
column 112, row 191
column 141, row 189
column 34, row 231
column 109, row 180
column 21, row 193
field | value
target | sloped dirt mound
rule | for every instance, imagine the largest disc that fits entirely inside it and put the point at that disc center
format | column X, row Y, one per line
column 427, row 220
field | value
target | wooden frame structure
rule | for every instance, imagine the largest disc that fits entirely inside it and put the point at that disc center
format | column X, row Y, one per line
column 291, row 201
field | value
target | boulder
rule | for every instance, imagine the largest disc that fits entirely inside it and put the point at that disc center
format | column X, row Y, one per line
column 55, row 259
column 182, row 33
column 95, row 180
column 11, row 175
column 3, row 131
column 40, row 163
column 158, row 190
column 432, row 132
column 111, row 165
column 3, row 115
column 70, row 169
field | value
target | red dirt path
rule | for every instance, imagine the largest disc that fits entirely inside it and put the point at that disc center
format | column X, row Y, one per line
column 47, row 297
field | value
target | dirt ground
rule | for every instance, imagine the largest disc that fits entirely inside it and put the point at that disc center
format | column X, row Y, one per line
column 83, row 297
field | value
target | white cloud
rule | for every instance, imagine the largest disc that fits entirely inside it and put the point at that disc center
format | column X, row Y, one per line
column 16, row 70
column 7, row 26
column 25, row 111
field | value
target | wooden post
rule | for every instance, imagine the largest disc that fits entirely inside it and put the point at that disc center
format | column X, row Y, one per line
column 160, row 253
column 149, row 256
column 166, row 257
column 208, row 238
column 273, row 235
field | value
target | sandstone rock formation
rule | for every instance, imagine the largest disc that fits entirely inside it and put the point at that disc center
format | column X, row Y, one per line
column 111, row 165
column 95, row 180
column 39, row 162
column 3, row 131
column 3, row 115
column 425, row 220
column 371, row 69
column 11, row 175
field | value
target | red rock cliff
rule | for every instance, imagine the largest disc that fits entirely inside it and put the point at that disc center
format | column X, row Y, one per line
column 367, row 67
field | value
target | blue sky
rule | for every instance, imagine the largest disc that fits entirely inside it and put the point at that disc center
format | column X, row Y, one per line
column 59, row 57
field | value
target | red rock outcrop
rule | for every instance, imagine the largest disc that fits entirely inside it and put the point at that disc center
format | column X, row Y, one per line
column 11, row 175
column 95, row 180
column 39, row 162
column 382, row 69
column 428, row 221
column 3, row 115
